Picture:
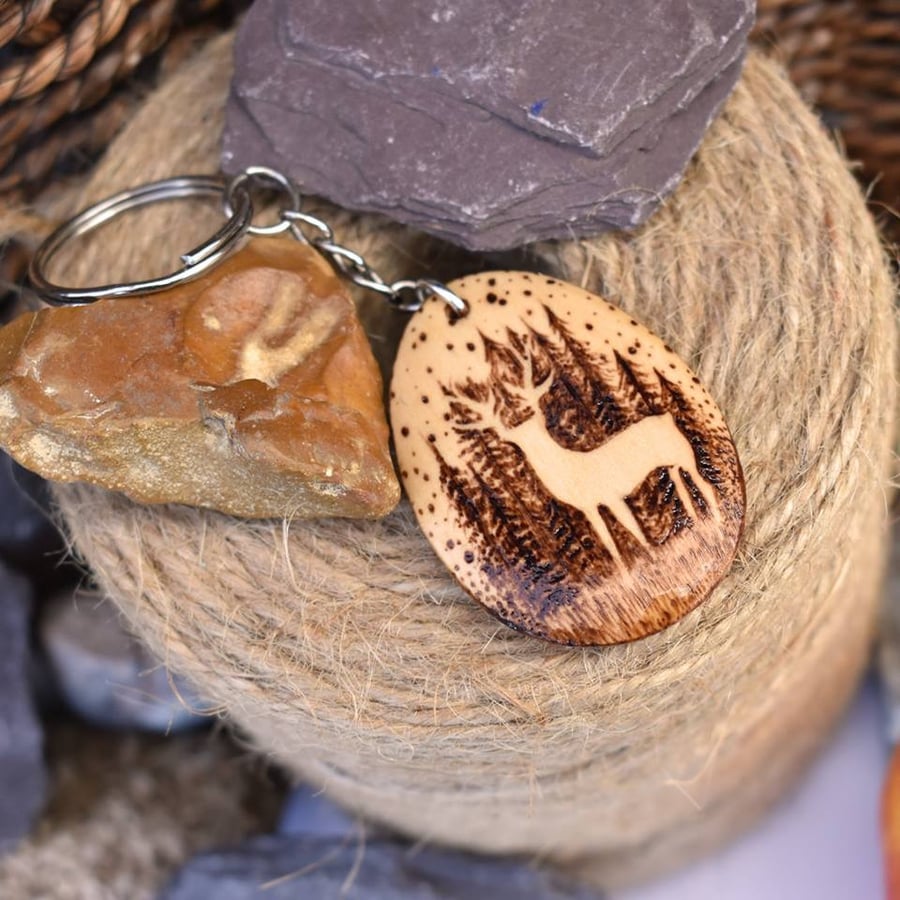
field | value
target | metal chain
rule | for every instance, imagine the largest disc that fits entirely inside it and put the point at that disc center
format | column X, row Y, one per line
column 408, row 295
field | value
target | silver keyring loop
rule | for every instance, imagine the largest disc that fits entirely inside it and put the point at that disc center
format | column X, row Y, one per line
column 240, row 182
column 196, row 261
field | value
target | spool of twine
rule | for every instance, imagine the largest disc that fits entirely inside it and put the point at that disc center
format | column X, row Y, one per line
column 346, row 651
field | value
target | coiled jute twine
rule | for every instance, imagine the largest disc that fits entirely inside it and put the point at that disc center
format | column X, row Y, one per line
column 346, row 651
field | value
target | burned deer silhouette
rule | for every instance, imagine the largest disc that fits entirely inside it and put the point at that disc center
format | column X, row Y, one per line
column 511, row 406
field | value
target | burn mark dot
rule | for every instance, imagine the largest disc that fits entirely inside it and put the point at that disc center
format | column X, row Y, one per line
column 423, row 336
column 502, row 301
column 632, row 350
column 589, row 326
column 491, row 297
column 450, row 544
column 696, row 380
column 492, row 282
column 667, row 348
column 415, row 471
column 469, row 557
column 526, row 292
column 404, row 431
column 551, row 281
column 632, row 322
column 425, row 398
column 432, row 438
column 404, row 473
column 429, row 370
column 447, row 417
column 470, row 346
column 393, row 394
column 449, row 346
column 431, row 507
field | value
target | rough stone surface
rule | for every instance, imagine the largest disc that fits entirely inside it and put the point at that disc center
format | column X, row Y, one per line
column 251, row 390
column 128, row 809
column 22, row 774
column 488, row 124
column 284, row 868
column 107, row 676
column 307, row 811
column 27, row 535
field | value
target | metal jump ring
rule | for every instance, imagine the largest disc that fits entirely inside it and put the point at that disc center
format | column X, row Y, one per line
column 241, row 182
column 196, row 261
column 422, row 289
column 428, row 287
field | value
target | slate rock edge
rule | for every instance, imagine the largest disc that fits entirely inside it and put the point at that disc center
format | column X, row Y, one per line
column 424, row 151
column 23, row 778
column 106, row 676
column 291, row 867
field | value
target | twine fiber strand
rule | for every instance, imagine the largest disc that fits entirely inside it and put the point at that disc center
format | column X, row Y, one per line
column 18, row 19
column 73, row 70
column 345, row 649
column 149, row 27
column 90, row 135
column 95, row 26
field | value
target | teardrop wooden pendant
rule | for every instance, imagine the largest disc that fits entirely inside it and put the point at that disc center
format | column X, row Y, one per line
column 566, row 465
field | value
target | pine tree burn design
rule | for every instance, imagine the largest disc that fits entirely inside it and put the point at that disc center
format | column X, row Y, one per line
column 565, row 464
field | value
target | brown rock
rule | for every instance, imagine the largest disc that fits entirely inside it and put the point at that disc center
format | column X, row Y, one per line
column 251, row 390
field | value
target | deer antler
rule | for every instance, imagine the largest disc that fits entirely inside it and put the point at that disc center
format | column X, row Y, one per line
column 507, row 397
column 477, row 393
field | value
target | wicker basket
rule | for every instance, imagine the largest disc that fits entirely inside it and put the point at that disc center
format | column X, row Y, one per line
column 71, row 71
column 845, row 58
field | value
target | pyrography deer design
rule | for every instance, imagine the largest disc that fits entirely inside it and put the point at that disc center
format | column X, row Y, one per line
column 586, row 480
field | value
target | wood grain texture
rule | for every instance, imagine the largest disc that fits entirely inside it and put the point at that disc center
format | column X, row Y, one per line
column 567, row 466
